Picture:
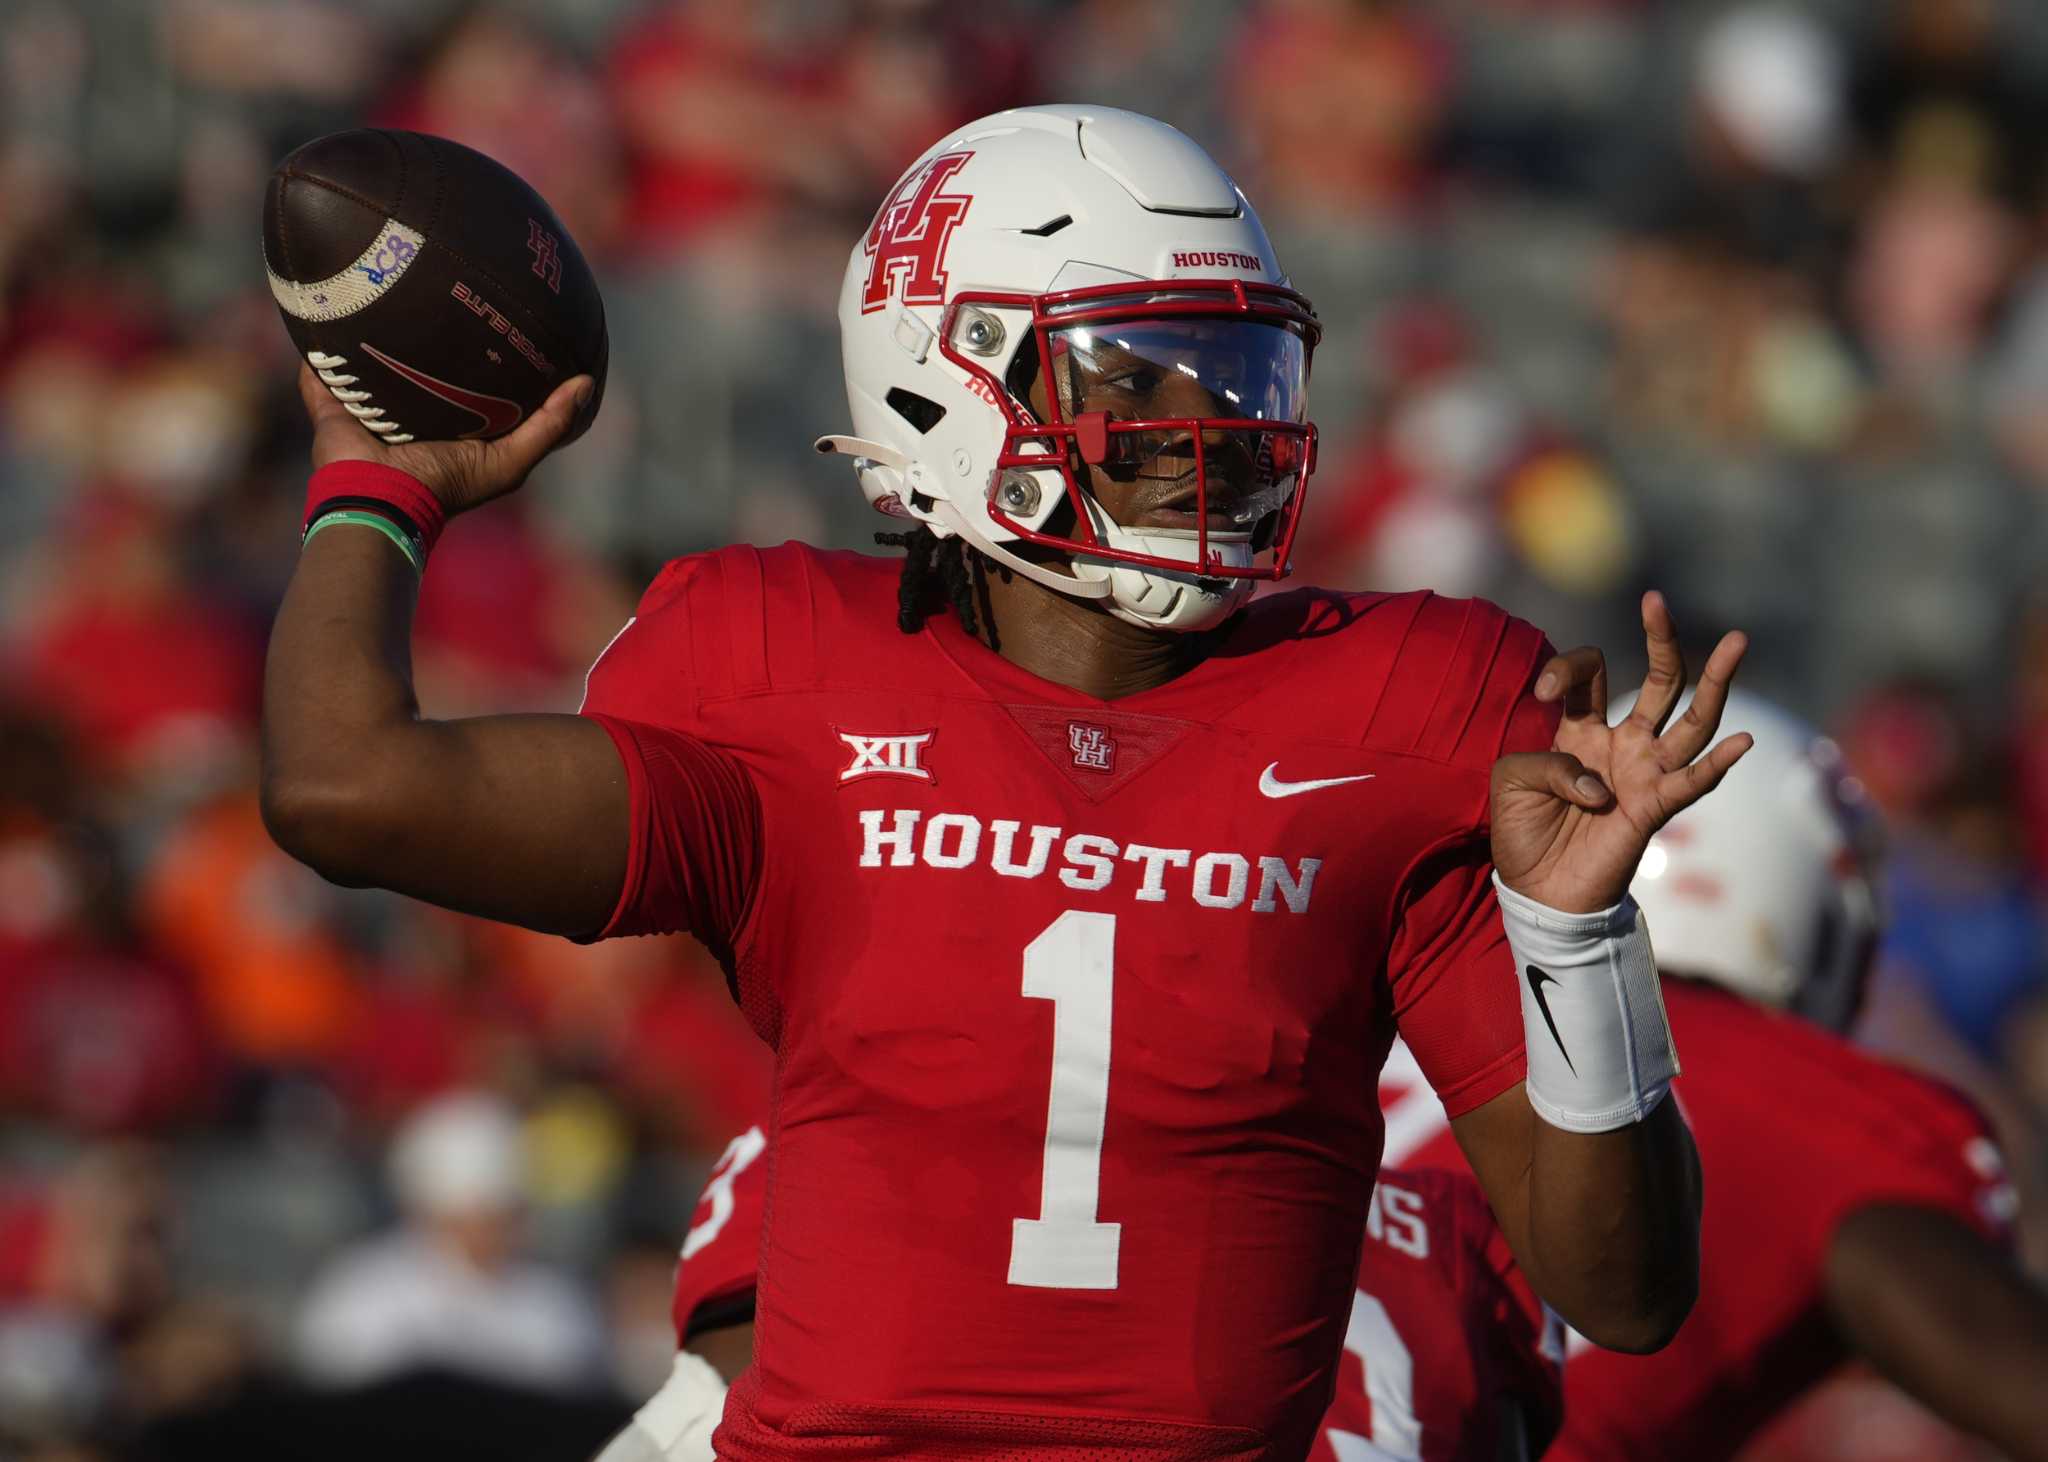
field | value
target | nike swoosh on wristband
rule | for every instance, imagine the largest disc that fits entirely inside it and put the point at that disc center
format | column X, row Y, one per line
column 1272, row 786
column 1536, row 979
column 499, row 415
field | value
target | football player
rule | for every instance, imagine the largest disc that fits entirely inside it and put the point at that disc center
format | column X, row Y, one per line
column 1450, row 1357
column 1853, row 1208
column 1078, row 894
column 713, row 1307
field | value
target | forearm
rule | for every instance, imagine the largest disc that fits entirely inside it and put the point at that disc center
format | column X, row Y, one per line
column 1605, row 1225
column 341, row 729
column 1612, row 1227
column 1611, row 1201
column 338, row 679
column 518, row 818
column 730, row 1348
column 1948, row 1318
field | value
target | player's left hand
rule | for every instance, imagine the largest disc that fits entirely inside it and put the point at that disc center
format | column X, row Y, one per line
column 1570, row 824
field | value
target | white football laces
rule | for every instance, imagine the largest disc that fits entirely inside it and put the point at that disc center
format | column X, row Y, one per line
column 329, row 369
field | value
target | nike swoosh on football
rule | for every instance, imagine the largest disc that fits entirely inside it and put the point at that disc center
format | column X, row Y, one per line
column 1272, row 786
column 499, row 415
column 1536, row 979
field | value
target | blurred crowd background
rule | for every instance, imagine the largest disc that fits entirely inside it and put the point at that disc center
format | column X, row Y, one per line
column 1749, row 303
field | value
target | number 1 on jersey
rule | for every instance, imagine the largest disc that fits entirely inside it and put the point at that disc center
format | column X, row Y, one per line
column 1073, row 965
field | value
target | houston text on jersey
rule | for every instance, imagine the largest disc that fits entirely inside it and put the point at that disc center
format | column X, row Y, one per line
column 1088, row 861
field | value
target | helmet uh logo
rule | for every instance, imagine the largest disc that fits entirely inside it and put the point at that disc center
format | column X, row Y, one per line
column 907, row 241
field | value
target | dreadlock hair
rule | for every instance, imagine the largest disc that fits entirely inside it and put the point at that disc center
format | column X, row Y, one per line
column 936, row 570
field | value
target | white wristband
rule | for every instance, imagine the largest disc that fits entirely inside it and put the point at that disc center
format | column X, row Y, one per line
column 1600, row 1051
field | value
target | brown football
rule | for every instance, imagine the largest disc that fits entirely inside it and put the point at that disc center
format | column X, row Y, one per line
column 436, row 294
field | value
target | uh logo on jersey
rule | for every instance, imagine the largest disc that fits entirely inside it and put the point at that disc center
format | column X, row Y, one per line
column 905, row 837
column 907, row 243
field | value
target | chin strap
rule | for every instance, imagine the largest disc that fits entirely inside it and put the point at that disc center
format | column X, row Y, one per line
column 879, row 469
column 862, row 449
column 949, row 518
column 1097, row 580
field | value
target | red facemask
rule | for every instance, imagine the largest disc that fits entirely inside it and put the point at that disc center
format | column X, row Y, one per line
column 1142, row 376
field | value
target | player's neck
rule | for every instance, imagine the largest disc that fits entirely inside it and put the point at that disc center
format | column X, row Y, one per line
column 1072, row 643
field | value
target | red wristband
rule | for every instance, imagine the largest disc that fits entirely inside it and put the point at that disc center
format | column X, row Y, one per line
column 379, row 483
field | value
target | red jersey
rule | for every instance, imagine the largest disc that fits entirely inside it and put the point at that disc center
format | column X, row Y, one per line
column 1796, row 1129
column 1075, row 1004
column 715, row 1271
column 1449, row 1353
column 1448, row 1350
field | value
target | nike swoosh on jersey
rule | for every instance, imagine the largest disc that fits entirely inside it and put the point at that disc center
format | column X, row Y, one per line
column 1272, row 786
column 498, row 414
column 1536, row 978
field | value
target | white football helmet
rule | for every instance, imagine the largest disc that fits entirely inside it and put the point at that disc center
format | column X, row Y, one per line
column 1103, row 257
column 1765, row 885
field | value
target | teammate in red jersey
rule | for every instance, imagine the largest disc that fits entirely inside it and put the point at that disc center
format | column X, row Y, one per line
column 1853, row 1208
column 713, row 1308
column 1079, row 917
column 1450, row 1357
column 714, row 1294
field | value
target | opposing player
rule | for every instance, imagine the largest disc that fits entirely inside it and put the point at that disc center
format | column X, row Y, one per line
column 1079, row 917
column 1853, row 1208
column 1449, row 1356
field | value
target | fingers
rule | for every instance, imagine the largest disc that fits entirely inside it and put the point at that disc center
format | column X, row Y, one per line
column 1702, row 718
column 337, row 436
column 311, row 392
column 1580, row 676
column 1666, row 680
column 1682, row 788
column 1561, row 775
column 319, row 401
column 516, row 453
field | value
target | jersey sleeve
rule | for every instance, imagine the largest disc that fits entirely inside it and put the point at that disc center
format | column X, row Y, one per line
column 695, row 815
column 1449, row 967
column 694, row 855
column 1454, row 980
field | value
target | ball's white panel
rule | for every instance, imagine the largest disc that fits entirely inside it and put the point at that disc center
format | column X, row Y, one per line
column 340, row 295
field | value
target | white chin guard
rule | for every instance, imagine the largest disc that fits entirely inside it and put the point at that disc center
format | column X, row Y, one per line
column 1158, row 598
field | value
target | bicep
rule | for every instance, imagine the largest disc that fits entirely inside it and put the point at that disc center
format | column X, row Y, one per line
column 586, row 825
column 524, row 819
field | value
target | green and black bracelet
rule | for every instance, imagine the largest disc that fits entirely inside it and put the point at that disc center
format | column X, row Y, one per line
column 371, row 513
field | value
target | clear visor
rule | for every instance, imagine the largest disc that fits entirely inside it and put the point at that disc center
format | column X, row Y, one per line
column 1181, row 372
column 1155, row 370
